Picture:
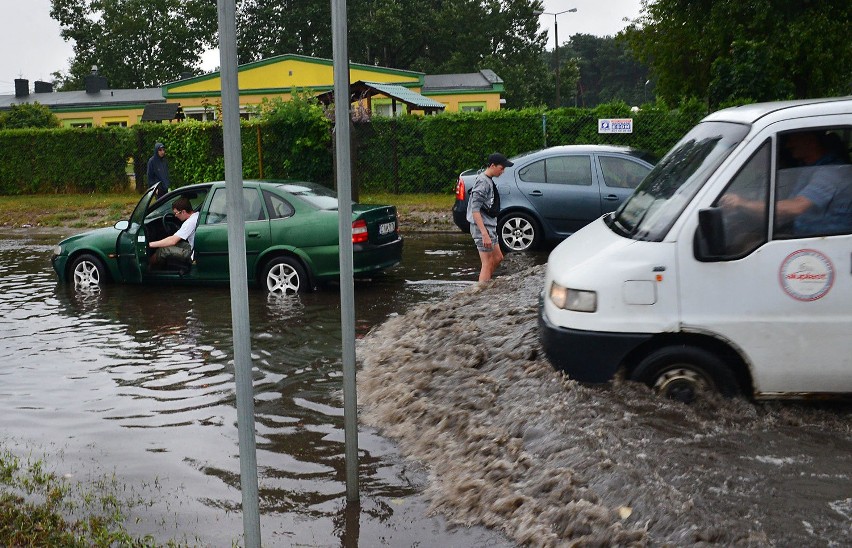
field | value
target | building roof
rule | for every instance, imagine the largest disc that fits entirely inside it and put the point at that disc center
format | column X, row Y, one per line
column 80, row 99
column 365, row 90
column 157, row 112
column 485, row 80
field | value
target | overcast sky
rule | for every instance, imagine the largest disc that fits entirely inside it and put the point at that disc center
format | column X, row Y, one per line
column 31, row 48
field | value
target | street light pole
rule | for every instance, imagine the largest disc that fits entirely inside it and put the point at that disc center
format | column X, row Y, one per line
column 556, row 47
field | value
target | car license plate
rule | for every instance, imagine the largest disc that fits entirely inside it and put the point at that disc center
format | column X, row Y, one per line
column 386, row 228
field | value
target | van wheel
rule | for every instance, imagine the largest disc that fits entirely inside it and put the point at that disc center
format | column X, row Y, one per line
column 519, row 232
column 88, row 272
column 285, row 276
column 684, row 373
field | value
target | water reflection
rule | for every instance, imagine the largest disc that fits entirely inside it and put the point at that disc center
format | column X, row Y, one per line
column 140, row 380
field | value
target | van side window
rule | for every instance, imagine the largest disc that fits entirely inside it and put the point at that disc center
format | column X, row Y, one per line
column 745, row 229
column 814, row 184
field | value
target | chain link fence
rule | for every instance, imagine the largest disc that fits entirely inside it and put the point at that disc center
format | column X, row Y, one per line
column 406, row 157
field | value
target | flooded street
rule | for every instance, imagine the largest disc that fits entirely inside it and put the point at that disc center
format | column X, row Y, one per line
column 464, row 388
column 137, row 383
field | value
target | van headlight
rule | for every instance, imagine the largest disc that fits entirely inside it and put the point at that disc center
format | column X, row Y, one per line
column 573, row 299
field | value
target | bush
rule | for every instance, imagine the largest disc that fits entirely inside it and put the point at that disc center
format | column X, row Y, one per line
column 293, row 140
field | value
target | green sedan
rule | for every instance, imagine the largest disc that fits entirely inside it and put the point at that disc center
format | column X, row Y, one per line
column 291, row 239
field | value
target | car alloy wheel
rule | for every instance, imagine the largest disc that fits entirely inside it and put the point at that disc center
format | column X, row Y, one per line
column 88, row 272
column 519, row 232
column 285, row 276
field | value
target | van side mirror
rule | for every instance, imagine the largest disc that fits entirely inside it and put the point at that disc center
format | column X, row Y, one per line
column 710, row 236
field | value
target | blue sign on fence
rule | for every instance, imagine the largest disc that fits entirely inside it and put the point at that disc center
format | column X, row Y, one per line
column 615, row 125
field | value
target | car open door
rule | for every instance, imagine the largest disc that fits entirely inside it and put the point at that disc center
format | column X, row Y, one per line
column 131, row 245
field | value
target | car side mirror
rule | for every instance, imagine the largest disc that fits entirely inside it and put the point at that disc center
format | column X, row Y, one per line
column 121, row 225
column 710, row 236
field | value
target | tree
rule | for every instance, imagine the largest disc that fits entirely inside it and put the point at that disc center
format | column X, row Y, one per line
column 134, row 43
column 724, row 50
column 434, row 37
column 266, row 28
column 28, row 115
column 608, row 71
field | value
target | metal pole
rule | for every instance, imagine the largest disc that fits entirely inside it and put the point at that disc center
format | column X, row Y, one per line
column 344, row 208
column 237, row 271
column 556, row 37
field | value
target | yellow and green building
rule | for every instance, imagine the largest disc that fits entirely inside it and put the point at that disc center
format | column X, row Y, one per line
column 378, row 91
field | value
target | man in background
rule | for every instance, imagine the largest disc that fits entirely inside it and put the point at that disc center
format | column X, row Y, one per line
column 158, row 170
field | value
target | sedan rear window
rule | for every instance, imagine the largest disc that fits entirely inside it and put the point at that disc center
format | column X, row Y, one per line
column 318, row 196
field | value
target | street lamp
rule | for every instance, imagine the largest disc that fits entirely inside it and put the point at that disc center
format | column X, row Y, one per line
column 556, row 47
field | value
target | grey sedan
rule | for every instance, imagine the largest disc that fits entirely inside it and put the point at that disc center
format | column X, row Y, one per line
column 549, row 194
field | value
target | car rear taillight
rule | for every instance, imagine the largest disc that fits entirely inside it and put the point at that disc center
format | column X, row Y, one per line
column 359, row 232
column 460, row 189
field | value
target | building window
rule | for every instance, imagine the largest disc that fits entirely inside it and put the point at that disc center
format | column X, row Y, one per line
column 381, row 108
column 471, row 107
column 199, row 113
column 78, row 123
column 116, row 124
column 209, row 114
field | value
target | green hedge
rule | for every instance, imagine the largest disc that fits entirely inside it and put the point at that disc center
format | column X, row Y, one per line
column 404, row 154
column 39, row 161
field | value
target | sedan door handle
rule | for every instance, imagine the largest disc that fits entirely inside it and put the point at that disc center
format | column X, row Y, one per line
column 536, row 193
column 611, row 197
column 253, row 234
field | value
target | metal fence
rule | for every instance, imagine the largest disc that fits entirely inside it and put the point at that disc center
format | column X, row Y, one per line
column 405, row 158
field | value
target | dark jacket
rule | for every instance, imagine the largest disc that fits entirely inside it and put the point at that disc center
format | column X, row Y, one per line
column 158, row 171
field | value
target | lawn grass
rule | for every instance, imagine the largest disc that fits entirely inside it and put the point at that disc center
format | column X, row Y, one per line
column 97, row 210
column 71, row 210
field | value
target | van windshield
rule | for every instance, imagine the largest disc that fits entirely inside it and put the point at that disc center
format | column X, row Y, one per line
column 658, row 201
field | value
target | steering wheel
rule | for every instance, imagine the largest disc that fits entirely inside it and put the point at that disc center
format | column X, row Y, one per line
column 170, row 224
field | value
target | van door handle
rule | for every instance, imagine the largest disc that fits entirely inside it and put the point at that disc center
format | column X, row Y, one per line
column 536, row 193
column 611, row 197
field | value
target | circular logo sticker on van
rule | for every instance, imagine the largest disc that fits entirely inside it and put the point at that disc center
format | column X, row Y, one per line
column 806, row 275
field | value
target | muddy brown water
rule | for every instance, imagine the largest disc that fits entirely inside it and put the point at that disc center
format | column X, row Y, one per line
column 136, row 384
column 461, row 443
column 463, row 388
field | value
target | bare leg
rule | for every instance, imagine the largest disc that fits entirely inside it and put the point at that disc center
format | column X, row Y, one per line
column 490, row 261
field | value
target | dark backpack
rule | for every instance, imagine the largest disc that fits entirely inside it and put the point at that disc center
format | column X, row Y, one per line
column 494, row 210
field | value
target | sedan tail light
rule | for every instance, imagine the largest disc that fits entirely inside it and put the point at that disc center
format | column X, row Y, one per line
column 460, row 189
column 359, row 232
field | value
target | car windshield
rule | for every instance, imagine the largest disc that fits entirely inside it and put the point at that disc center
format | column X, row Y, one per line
column 318, row 196
column 658, row 201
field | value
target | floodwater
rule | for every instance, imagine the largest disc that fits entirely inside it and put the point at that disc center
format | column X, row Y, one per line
column 463, row 388
column 136, row 384
column 468, row 437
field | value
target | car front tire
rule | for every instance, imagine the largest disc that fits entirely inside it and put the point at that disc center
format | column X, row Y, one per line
column 285, row 276
column 519, row 232
column 88, row 272
column 684, row 373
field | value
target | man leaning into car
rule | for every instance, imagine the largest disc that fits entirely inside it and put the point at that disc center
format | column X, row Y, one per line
column 482, row 210
column 181, row 244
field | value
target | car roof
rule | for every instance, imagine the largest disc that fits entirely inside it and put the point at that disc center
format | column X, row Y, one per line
column 578, row 149
column 780, row 110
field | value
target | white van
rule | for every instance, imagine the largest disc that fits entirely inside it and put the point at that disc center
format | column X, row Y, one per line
column 728, row 269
